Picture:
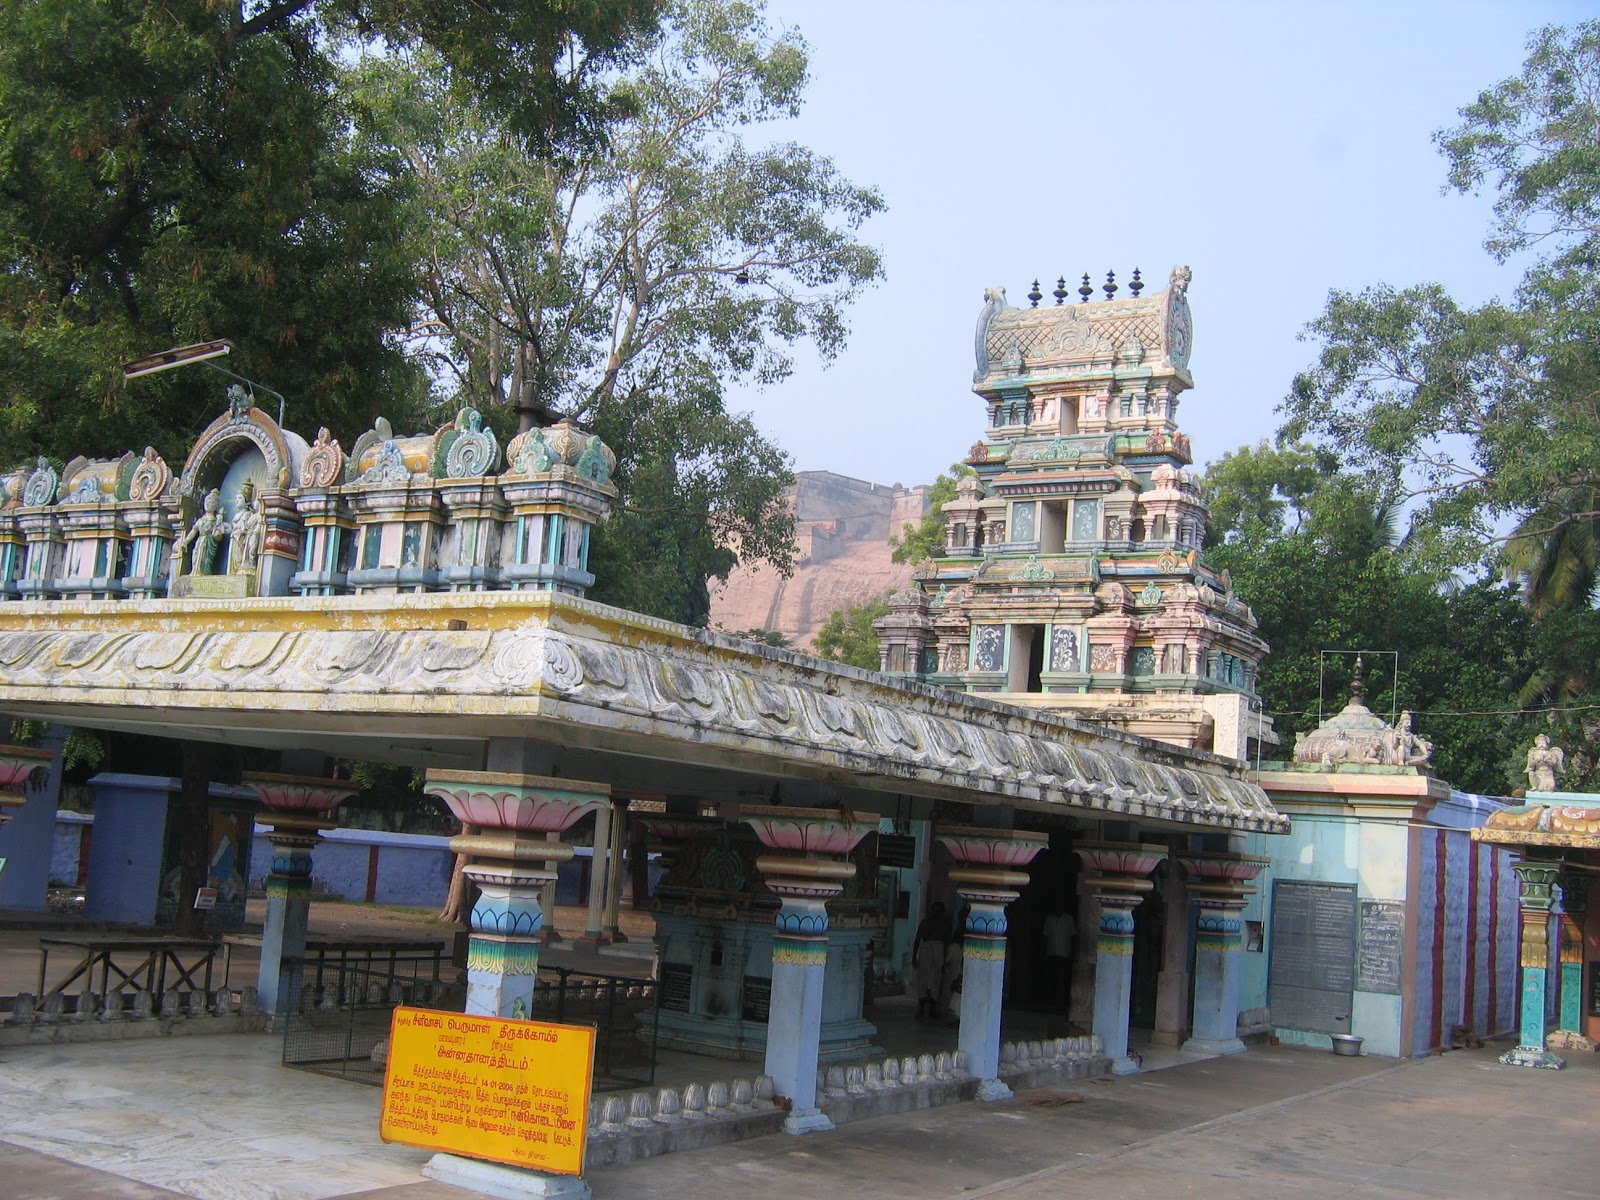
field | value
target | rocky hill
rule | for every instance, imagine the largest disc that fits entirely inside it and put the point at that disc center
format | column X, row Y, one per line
column 843, row 527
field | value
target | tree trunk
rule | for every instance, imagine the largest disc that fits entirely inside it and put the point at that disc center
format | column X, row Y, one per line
column 458, row 901
column 204, row 763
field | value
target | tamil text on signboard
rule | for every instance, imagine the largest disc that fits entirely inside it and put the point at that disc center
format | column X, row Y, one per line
column 513, row 1092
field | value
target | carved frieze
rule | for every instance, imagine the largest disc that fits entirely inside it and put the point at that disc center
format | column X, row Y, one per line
column 629, row 687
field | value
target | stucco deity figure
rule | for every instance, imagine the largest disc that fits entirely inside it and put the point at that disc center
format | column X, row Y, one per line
column 1545, row 762
column 1404, row 748
column 204, row 537
column 248, row 530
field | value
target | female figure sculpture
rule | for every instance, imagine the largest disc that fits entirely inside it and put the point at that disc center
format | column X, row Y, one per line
column 205, row 537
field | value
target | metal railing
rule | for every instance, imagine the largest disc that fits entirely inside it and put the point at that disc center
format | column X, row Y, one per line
column 339, row 1009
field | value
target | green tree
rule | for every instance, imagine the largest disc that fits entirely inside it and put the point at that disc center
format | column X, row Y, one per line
column 847, row 635
column 1314, row 552
column 628, row 288
column 925, row 540
column 1264, row 490
column 190, row 170
column 1487, row 415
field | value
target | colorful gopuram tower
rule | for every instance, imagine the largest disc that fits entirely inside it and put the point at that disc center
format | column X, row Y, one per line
column 1071, row 576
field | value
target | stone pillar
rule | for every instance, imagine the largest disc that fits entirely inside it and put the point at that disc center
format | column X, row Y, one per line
column 1537, row 879
column 1569, row 1033
column 619, row 843
column 298, row 808
column 1117, row 875
column 987, row 878
column 599, row 876
column 1080, row 1003
column 1173, row 983
column 1220, row 886
column 510, row 858
column 807, row 868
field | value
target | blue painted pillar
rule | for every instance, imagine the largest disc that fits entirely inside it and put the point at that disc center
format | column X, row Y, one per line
column 794, row 1021
column 283, row 935
column 1113, row 979
column 510, row 859
column 1537, row 880
column 298, row 808
column 983, row 971
column 1116, row 875
column 1220, row 886
column 1216, row 981
column 987, row 879
column 1574, row 908
column 807, row 868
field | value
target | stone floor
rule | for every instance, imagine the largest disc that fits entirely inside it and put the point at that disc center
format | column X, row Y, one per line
column 218, row 1119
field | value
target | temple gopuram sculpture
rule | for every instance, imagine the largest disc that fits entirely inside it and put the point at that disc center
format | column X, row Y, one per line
column 1355, row 736
column 256, row 511
column 1071, row 576
column 1545, row 762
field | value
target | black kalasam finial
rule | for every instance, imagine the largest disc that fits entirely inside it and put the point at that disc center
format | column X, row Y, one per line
column 1086, row 290
column 1136, row 285
column 1110, row 286
column 1035, row 295
column 1358, row 681
column 1061, row 290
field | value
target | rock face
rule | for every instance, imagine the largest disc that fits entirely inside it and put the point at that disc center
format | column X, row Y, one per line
column 843, row 527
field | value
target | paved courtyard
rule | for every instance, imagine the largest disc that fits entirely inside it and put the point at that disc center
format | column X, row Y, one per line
column 216, row 1118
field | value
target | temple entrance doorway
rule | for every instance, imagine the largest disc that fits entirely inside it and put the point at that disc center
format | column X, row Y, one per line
column 1043, row 922
column 1149, row 940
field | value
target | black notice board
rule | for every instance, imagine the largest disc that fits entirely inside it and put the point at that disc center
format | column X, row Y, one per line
column 1594, row 989
column 757, row 999
column 1312, row 970
column 677, row 984
column 896, row 850
column 1380, row 953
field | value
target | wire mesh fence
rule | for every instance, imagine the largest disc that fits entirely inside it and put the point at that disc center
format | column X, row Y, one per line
column 624, row 1047
column 338, row 1012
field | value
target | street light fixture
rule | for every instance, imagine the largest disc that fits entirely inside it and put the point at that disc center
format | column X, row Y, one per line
column 182, row 356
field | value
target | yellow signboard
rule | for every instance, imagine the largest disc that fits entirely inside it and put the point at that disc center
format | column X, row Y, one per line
column 513, row 1092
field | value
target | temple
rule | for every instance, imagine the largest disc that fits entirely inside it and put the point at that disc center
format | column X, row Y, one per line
column 1035, row 829
column 1072, row 577
column 419, row 599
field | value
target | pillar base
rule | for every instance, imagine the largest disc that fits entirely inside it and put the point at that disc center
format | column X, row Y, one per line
column 507, row 1183
column 1126, row 1065
column 1212, row 1046
column 1532, row 1056
column 992, row 1090
column 807, row 1120
column 1571, row 1040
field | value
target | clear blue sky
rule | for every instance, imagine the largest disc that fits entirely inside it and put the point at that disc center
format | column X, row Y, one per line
column 1279, row 149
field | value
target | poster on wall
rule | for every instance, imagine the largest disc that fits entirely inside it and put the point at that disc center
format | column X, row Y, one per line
column 1311, row 971
column 1381, row 949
